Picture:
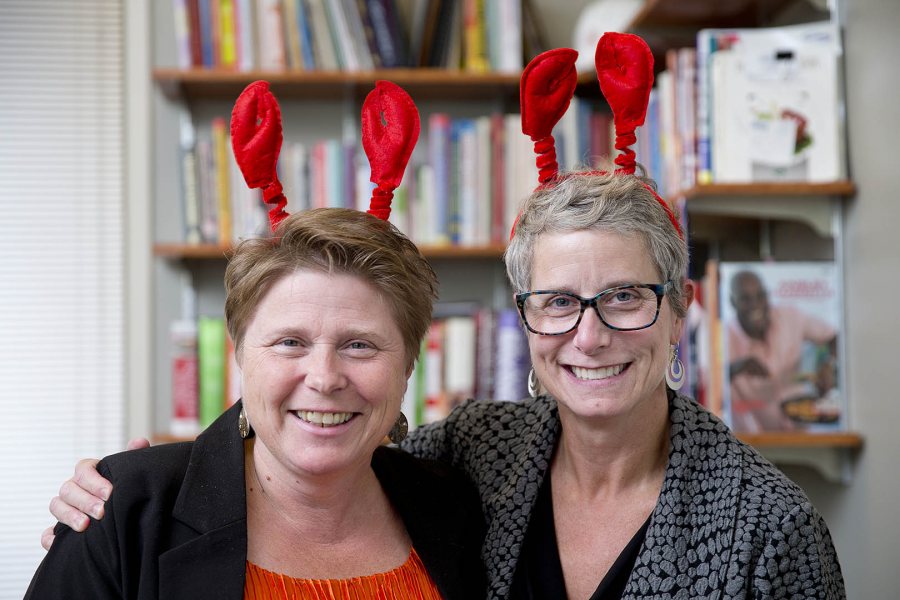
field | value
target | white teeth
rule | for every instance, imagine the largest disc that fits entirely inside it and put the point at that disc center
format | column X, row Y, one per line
column 324, row 419
column 601, row 373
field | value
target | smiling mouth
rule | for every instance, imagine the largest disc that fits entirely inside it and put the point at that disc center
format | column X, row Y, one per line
column 324, row 419
column 601, row 373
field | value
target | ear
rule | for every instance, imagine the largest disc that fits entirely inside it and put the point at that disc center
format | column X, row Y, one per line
column 688, row 287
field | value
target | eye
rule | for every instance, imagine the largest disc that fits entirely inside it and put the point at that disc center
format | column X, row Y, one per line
column 289, row 346
column 559, row 304
column 561, row 301
column 625, row 295
column 360, row 349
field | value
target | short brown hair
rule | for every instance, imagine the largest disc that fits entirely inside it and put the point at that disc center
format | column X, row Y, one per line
column 607, row 202
column 334, row 240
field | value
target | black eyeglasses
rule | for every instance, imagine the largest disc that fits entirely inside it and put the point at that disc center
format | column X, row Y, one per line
column 622, row 308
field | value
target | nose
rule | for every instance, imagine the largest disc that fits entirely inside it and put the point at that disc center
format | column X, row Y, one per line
column 324, row 370
column 592, row 333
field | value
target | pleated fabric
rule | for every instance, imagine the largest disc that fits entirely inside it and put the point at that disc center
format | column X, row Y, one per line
column 409, row 580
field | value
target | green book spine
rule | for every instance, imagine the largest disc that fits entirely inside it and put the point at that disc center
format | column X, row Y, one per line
column 211, row 353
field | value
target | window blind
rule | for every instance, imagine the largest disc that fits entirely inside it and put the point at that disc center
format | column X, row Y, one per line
column 61, row 258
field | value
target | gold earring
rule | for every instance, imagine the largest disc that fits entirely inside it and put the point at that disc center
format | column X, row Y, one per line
column 244, row 425
column 398, row 432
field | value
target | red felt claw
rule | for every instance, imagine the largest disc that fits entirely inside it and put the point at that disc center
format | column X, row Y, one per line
column 390, row 129
column 547, row 86
column 625, row 70
column 256, row 141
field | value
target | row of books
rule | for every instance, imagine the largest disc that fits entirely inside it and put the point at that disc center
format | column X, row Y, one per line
column 205, row 376
column 469, row 352
column 763, row 345
column 748, row 105
column 217, row 206
column 352, row 35
column 463, row 187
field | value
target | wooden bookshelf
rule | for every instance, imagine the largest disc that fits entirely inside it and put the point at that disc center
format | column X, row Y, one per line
column 842, row 189
column 421, row 83
column 219, row 251
column 699, row 14
column 789, row 439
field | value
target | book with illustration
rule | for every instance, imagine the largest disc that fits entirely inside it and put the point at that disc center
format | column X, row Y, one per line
column 781, row 331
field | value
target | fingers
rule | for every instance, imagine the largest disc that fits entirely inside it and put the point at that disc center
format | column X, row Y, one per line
column 138, row 443
column 47, row 538
column 89, row 480
column 67, row 515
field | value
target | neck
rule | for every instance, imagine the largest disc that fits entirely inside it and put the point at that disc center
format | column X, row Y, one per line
column 321, row 508
column 610, row 456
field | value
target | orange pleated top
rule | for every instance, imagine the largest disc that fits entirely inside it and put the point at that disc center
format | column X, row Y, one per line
column 409, row 580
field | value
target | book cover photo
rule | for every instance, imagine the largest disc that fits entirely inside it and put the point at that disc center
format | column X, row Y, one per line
column 780, row 331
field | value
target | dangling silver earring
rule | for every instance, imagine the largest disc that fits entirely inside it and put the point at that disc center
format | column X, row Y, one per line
column 675, row 372
column 244, row 425
column 534, row 386
column 398, row 432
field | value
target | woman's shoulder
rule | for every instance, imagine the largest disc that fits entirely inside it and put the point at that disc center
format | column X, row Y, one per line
column 481, row 413
column 393, row 466
column 712, row 446
column 147, row 471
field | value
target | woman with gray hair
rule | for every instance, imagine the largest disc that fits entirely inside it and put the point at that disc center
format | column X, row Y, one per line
column 607, row 483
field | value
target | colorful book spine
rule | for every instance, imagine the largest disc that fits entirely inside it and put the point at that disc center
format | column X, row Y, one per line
column 211, row 353
column 185, row 378
column 182, row 33
column 206, row 33
column 222, row 185
column 306, row 36
column 475, row 51
column 512, row 362
column 190, row 202
column 228, row 42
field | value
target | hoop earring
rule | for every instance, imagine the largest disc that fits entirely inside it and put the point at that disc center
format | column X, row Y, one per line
column 244, row 425
column 675, row 372
column 534, row 386
column 398, row 432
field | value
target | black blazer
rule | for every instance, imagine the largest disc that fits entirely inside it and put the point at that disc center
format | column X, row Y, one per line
column 176, row 524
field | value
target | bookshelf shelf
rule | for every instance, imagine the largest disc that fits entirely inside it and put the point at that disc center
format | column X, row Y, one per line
column 830, row 454
column 220, row 252
column 789, row 439
column 842, row 189
column 421, row 83
column 697, row 14
column 815, row 204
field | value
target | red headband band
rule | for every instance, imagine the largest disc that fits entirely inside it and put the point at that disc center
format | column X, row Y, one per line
column 390, row 129
column 625, row 72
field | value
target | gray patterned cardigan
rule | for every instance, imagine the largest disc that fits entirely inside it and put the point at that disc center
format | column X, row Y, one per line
column 727, row 525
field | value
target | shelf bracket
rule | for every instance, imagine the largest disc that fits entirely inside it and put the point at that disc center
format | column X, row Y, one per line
column 834, row 464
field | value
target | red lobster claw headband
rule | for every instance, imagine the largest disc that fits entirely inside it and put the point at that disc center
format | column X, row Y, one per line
column 625, row 71
column 390, row 129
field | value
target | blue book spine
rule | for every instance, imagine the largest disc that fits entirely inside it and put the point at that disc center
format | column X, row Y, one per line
column 206, row 34
column 305, row 31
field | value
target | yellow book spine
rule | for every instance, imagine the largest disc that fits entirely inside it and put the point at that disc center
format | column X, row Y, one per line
column 223, row 190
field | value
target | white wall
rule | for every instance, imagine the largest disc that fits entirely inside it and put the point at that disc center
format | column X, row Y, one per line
column 863, row 517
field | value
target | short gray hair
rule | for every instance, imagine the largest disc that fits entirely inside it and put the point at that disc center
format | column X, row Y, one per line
column 606, row 202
